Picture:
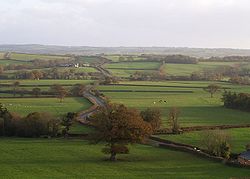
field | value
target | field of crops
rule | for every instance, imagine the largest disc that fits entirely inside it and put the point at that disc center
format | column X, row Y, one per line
column 57, row 158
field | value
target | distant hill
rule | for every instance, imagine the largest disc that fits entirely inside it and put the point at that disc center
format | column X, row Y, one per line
column 85, row 50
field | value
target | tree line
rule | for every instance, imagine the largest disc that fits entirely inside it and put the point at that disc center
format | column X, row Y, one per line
column 235, row 100
column 35, row 124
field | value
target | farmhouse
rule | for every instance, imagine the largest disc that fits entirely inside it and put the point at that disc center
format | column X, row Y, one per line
column 244, row 158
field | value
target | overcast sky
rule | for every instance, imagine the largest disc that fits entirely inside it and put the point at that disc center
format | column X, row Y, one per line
column 171, row 23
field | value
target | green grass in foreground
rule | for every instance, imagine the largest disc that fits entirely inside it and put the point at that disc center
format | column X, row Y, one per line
column 238, row 138
column 24, row 106
column 43, row 158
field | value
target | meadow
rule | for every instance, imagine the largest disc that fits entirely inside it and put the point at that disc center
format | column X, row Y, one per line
column 188, row 69
column 196, row 106
column 239, row 138
column 115, row 58
column 47, row 82
column 29, row 57
column 60, row 158
column 25, row 106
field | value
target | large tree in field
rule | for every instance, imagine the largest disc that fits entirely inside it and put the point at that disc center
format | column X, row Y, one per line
column 15, row 85
column 36, row 92
column 118, row 126
column 59, row 91
column 78, row 89
column 173, row 117
column 212, row 89
column 153, row 116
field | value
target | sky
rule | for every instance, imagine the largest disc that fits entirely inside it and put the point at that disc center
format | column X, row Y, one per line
column 168, row 23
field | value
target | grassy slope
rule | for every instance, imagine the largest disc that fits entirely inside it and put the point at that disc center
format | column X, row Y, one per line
column 43, row 158
column 27, row 105
column 239, row 138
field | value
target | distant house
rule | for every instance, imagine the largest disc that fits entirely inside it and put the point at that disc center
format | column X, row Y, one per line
column 85, row 65
column 244, row 158
column 76, row 65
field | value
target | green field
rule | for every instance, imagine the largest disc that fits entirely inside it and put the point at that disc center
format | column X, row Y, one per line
column 134, row 65
column 88, row 59
column 125, row 69
column 238, row 138
column 115, row 58
column 188, row 69
column 9, row 62
column 24, row 106
column 197, row 108
column 55, row 158
column 125, row 73
column 47, row 82
column 29, row 57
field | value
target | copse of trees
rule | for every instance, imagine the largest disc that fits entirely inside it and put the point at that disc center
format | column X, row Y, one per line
column 59, row 91
column 234, row 100
column 117, row 126
column 33, row 125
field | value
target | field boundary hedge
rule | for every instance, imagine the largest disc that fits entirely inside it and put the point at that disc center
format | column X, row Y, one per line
column 136, row 91
column 168, row 86
column 201, row 128
column 162, row 143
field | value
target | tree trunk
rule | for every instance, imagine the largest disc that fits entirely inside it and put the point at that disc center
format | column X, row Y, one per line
column 112, row 156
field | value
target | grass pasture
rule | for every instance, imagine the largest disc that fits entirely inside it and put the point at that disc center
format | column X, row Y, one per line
column 134, row 65
column 238, row 138
column 58, row 158
column 115, row 58
column 197, row 108
column 29, row 57
column 24, row 106
column 188, row 69
column 47, row 82
column 125, row 69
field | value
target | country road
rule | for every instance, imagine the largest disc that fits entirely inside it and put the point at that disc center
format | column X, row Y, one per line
column 96, row 101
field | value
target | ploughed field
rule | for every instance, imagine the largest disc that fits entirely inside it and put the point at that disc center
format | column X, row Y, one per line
column 197, row 108
column 58, row 158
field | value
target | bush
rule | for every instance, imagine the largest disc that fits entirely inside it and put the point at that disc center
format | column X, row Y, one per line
column 217, row 143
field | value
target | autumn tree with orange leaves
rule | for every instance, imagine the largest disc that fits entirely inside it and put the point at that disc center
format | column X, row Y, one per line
column 118, row 126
